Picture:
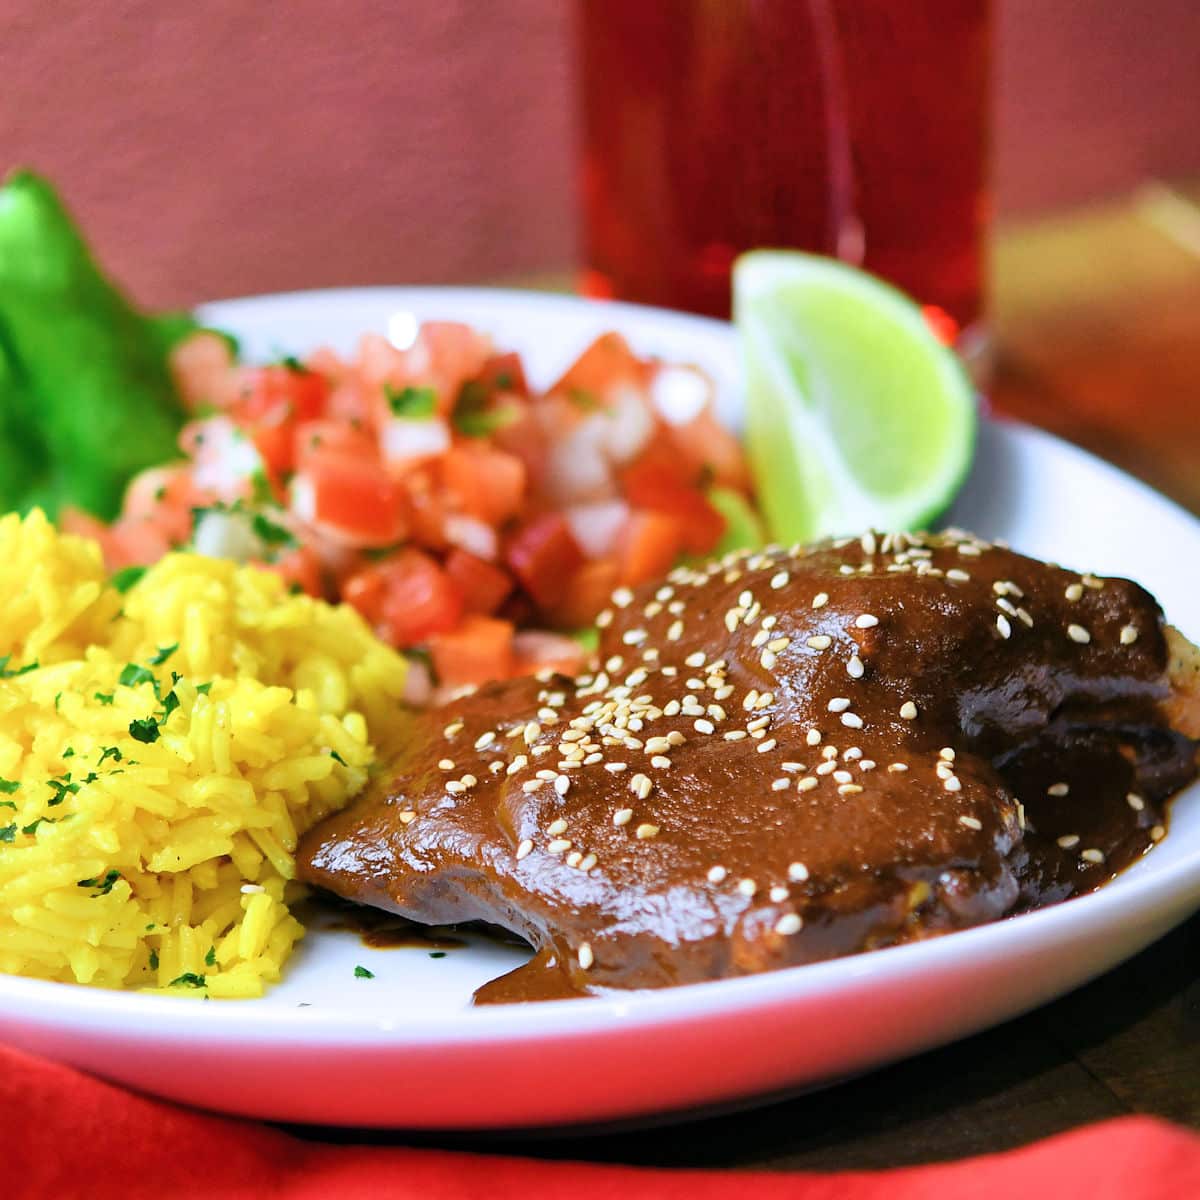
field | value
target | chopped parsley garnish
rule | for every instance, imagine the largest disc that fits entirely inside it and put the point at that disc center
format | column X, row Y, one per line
column 164, row 652
column 104, row 884
column 437, row 954
column 103, row 697
column 189, row 979
column 144, row 729
column 8, row 832
column 125, row 578
column 69, row 752
column 210, row 959
column 170, row 704
column 262, row 492
column 113, row 752
column 271, row 533
column 338, row 758
column 132, row 674
column 5, row 673
column 293, row 364
column 203, row 688
column 8, row 786
column 57, row 698
column 411, row 403
column 61, row 787
column 8, row 804
column 363, row 973
column 33, row 825
column 154, row 960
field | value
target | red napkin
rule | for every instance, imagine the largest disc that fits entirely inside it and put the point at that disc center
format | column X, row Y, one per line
column 65, row 1134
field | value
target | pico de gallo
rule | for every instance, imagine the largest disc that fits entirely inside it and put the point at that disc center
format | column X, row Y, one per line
column 468, row 517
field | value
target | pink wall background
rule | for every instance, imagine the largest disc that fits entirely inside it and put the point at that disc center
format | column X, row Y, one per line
column 222, row 147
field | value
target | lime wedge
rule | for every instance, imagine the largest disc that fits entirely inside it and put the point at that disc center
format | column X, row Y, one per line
column 857, row 416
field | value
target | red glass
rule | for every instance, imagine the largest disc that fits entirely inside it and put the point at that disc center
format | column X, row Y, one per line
column 848, row 127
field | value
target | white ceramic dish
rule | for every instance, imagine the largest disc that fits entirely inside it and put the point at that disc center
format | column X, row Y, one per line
column 405, row 1048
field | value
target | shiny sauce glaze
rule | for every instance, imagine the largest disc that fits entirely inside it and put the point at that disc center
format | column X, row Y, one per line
column 780, row 758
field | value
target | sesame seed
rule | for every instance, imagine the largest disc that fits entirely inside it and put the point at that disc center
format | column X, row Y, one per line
column 1058, row 789
column 946, row 753
column 838, row 704
column 778, row 894
column 1074, row 592
column 723, row 692
column 897, row 767
column 615, row 767
column 736, row 735
column 849, row 789
column 698, row 659
column 957, row 575
column 866, row 621
column 1068, row 841
column 454, row 787
column 556, row 827
column 446, row 764
column 791, row 766
column 622, row 597
column 1135, row 802
column 524, row 849
column 842, row 776
column 867, row 541
column 496, row 766
column 1158, row 833
column 747, row 887
column 657, row 745
column 585, row 955
column 1129, row 635
column 622, row 816
column 820, row 600
column 788, row 924
column 407, row 817
column 562, row 784
column 1092, row 855
column 944, row 770
column 469, row 780
column 781, row 784
column 588, row 862
column 813, row 737
column 484, row 740
column 1003, row 625
column 779, row 580
column 1024, row 618
column 826, row 767
column 767, row 660
column 819, row 641
column 953, row 784
column 451, row 730
column 867, row 764
column 855, row 668
column 732, row 617
column 646, row 831
column 1006, row 606
column 852, row 720
column 641, row 786
column 661, row 761
column 1077, row 633
column 971, row 822
column 716, row 874
column 558, row 845
column 908, row 710
column 1090, row 581
column 530, row 785
column 764, row 747
column 797, row 872
column 806, row 784
column 829, row 752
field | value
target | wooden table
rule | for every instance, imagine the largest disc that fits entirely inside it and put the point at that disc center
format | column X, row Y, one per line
column 1097, row 319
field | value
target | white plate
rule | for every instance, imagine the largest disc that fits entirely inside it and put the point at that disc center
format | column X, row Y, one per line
column 406, row 1049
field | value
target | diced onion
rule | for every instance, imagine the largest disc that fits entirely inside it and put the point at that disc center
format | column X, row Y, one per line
column 596, row 526
column 474, row 536
column 403, row 440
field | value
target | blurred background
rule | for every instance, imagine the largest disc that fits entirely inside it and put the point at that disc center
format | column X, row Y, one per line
column 221, row 148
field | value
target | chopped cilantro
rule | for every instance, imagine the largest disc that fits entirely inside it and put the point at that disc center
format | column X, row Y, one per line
column 363, row 973
column 203, row 688
column 33, row 825
column 160, row 494
column 271, row 533
column 262, row 492
column 124, row 579
column 8, row 832
column 338, row 758
column 144, row 729
column 472, row 416
column 293, row 364
column 189, row 979
column 57, row 698
column 411, row 403
column 103, row 697
column 113, row 752
column 8, row 804
column 69, row 752
column 153, row 957
column 5, row 673
column 164, row 652
column 210, row 959
column 132, row 674
column 437, row 954
column 170, row 704
column 60, row 787
column 105, row 884
column 8, row 786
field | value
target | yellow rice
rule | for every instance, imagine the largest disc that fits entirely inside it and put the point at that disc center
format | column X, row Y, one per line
column 166, row 863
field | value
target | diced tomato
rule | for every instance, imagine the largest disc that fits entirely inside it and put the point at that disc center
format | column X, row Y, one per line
column 658, row 481
column 504, row 373
column 482, row 585
column 134, row 542
column 407, row 598
column 586, row 593
column 488, row 483
column 203, row 372
column 456, row 353
column 606, row 363
column 543, row 555
column 357, row 500
column 705, row 444
column 278, row 393
column 648, row 546
column 82, row 524
column 300, row 567
column 480, row 648
column 535, row 650
column 314, row 437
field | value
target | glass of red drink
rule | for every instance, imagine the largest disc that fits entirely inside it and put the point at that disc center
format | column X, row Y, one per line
column 856, row 128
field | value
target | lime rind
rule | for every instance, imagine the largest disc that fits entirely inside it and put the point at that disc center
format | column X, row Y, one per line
column 856, row 415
